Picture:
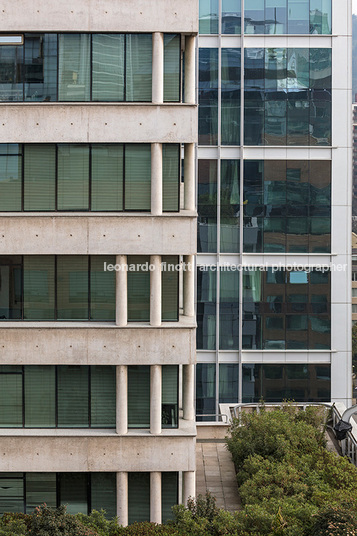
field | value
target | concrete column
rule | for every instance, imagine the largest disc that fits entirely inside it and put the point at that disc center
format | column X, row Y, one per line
column 189, row 177
column 189, row 286
column 157, row 67
column 122, row 498
column 155, row 290
column 155, row 497
column 156, row 179
column 122, row 399
column 189, row 485
column 190, row 70
column 188, row 392
column 121, row 294
column 155, row 398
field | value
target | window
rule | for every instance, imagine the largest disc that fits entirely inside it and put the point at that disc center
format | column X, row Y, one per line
column 85, row 177
column 206, row 308
column 205, row 390
column 207, row 206
column 208, row 96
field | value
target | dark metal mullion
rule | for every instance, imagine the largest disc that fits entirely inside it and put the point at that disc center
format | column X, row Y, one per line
column 181, row 71
column 179, row 175
column 24, row 488
column 58, row 489
column 23, row 396
column 56, row 177
column 89, row 396
column 22, row 287
column 56, row 396
column 178, row 291
column 23, row 69
column 89, row 497
column 124, row 146
column 22, row 178
column 90, row 180
column 55, row 288
column 89, row 286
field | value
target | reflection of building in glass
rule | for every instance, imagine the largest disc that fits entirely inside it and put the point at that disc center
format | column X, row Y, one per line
column 273, row 189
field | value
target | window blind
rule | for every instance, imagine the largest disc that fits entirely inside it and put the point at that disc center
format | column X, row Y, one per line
column 40, row 396
column 172, row 67
column 102, row 289
column 39, row 287
column 138, row 67
column 11, row 492
column 138, row 290
column 104, row 493
column 171, row 177
column 40, row 488
column 107, row 177
column 108, row 67
column 74, row 67
column 73, row 394
column 11, row 400
column 73, row 492
column 40, row 177
column 169, row 494
column 170, row 396
column 138, row 177
column 138, row 396
column 10, row 182
column 169, row 295
column 138, row 497
column 72, row 287
column 73, row 177
column 103, row 397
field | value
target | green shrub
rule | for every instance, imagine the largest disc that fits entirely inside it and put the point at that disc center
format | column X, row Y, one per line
column 47, row 521
column 338, row 521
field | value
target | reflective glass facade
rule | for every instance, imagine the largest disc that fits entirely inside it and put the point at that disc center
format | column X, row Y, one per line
column 80, row 67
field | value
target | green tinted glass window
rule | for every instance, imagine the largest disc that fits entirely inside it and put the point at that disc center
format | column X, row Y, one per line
column 172, row 65
column 74, row 52
column 138, row 396
column 73, row 177
column 138, row 67
column 107, row 177
column 108, row 67
column 40, row 177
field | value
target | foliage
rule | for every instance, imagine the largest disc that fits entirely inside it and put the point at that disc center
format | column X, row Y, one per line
column 47, row 521
column 354, row 348
column 335, row 522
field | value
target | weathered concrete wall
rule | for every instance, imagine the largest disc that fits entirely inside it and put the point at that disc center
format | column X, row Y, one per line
column 107, row 453
column 37, row 344
column 138, row 234
column 98, row 123
column 100, row 15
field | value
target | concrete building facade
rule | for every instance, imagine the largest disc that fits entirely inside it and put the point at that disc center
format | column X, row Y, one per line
column 98, row 109
column 274, row 203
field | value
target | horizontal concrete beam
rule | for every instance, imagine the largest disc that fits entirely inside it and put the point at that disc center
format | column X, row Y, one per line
column 91, row 345
column 100, row 16
column 96, row 235
column 98, row 123
column 112, row 454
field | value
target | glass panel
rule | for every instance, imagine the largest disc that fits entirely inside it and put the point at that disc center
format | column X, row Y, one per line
column 10, row 401
column 10, row 287
column 74, row 67
column 207, row 206
column 40, row 68
column 40, row 397
column 138, row 288
column 102, row 289
column 39, row 287
column 298, row 17
column 254, row 96
column 107, row 177
column 320, row 16
column 73, row 492
column 138, row 177
column 208, row 17
column 40, row 177
column 138, row 497
column 208, row 97
column 138, row 396
column 104, row 493
column 138, row 67
column 170, row 396
column 108, row 67
column 170, row 289
column 172, row 66
column 205, row 390
column 229, row 239
column 73, row 177
column 228, row 383
column 72, row 287
column 103, row 397
column 73, row 397
column 10, row 178
column 231, row 17
column 171, row 177
column 11, row 489
column 275, row 17
column 169, row 496
column 11, row 73
column 40, row 489
column 230, row 96
column 206, row 309
column 229, row 310
column 254, row 17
